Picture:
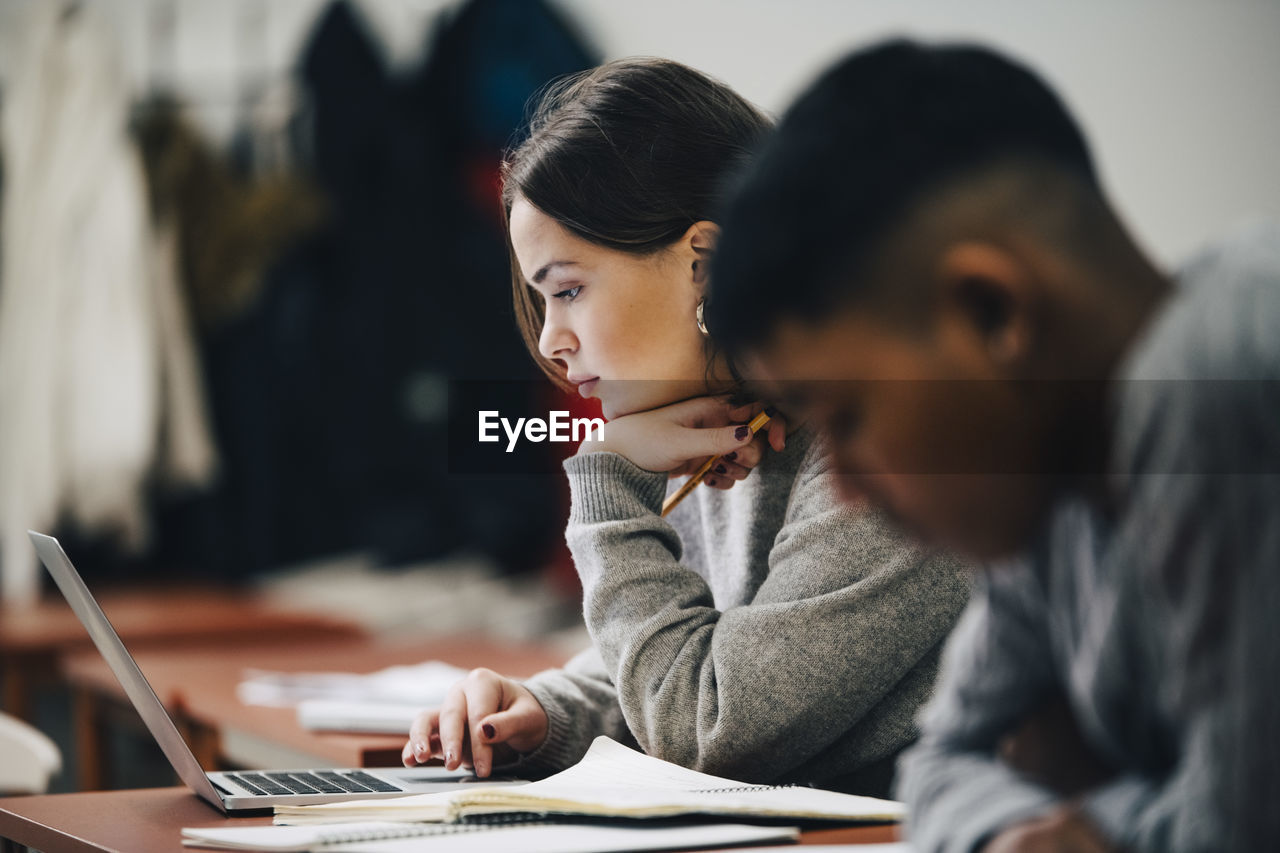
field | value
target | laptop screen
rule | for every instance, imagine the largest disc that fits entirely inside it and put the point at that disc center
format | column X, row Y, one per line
column 124, row 666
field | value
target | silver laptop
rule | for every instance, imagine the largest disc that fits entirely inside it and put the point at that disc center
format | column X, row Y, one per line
column 231, row 792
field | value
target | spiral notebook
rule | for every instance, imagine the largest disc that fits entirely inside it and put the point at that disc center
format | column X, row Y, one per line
column 523, row 836
column 612, row 781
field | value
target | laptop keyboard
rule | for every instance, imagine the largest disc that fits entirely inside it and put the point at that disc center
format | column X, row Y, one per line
column 319, row 782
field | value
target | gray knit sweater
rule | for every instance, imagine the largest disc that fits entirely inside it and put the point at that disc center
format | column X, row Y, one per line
column 768, row 633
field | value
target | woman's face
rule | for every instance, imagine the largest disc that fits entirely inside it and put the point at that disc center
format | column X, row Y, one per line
column 623, row 325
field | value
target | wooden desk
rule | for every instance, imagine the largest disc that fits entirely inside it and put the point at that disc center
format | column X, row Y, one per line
column 150, row 821
column 33, row 638
column 198, row 687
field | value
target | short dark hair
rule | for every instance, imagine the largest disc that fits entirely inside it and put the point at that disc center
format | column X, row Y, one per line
column 866, row 142
column 628, row 156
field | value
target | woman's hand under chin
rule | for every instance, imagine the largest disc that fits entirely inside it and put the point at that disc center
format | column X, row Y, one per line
column 678, row 438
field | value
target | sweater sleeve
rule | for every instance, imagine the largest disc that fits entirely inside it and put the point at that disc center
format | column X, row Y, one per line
column 1200, row 481
column 998, row 666
column 1216, row 592
column 581, row 704
column 847, row 611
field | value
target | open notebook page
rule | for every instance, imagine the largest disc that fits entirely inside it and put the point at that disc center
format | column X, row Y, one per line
column 612, row 780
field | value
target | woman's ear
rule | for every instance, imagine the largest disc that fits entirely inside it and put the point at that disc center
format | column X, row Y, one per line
column 701, row 239
column 990, row 290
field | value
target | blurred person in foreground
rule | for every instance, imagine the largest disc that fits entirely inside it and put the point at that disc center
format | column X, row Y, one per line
column 924, row 260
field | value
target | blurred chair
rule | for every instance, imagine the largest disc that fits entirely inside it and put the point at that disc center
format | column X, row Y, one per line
column 27, row 757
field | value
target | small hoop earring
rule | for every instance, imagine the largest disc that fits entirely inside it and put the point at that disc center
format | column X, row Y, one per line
column 702, row 327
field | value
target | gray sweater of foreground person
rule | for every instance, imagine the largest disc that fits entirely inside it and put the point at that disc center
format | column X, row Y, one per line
column 1155, row 615
column 769, row 633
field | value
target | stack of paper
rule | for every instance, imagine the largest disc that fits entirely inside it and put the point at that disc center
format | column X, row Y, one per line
column 385, row 701
column 468, row 838
column 329, row 715
column 420, row 684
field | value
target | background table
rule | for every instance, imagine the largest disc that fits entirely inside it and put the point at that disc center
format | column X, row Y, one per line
column 32, row 639
column 198, row 686
column 150, row 821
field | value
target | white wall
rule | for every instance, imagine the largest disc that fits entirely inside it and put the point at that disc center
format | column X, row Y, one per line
column 1181, row 98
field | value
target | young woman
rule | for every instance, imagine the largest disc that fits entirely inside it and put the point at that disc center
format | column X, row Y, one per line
column 765, row 633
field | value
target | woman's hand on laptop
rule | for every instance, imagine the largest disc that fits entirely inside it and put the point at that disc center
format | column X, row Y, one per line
column 486, row 719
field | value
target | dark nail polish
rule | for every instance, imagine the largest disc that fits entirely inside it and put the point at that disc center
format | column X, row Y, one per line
column 487, row 730
column 771, row 411
column 742, row 432
column 720, row 469
column 731, row 455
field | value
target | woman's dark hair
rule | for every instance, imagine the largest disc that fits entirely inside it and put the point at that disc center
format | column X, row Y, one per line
column 627, row 156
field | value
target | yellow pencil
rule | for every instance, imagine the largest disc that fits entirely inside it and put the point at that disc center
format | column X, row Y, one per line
column 757, row 423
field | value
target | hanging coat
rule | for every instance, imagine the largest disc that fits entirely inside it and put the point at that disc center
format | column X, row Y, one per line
column 94, row 344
